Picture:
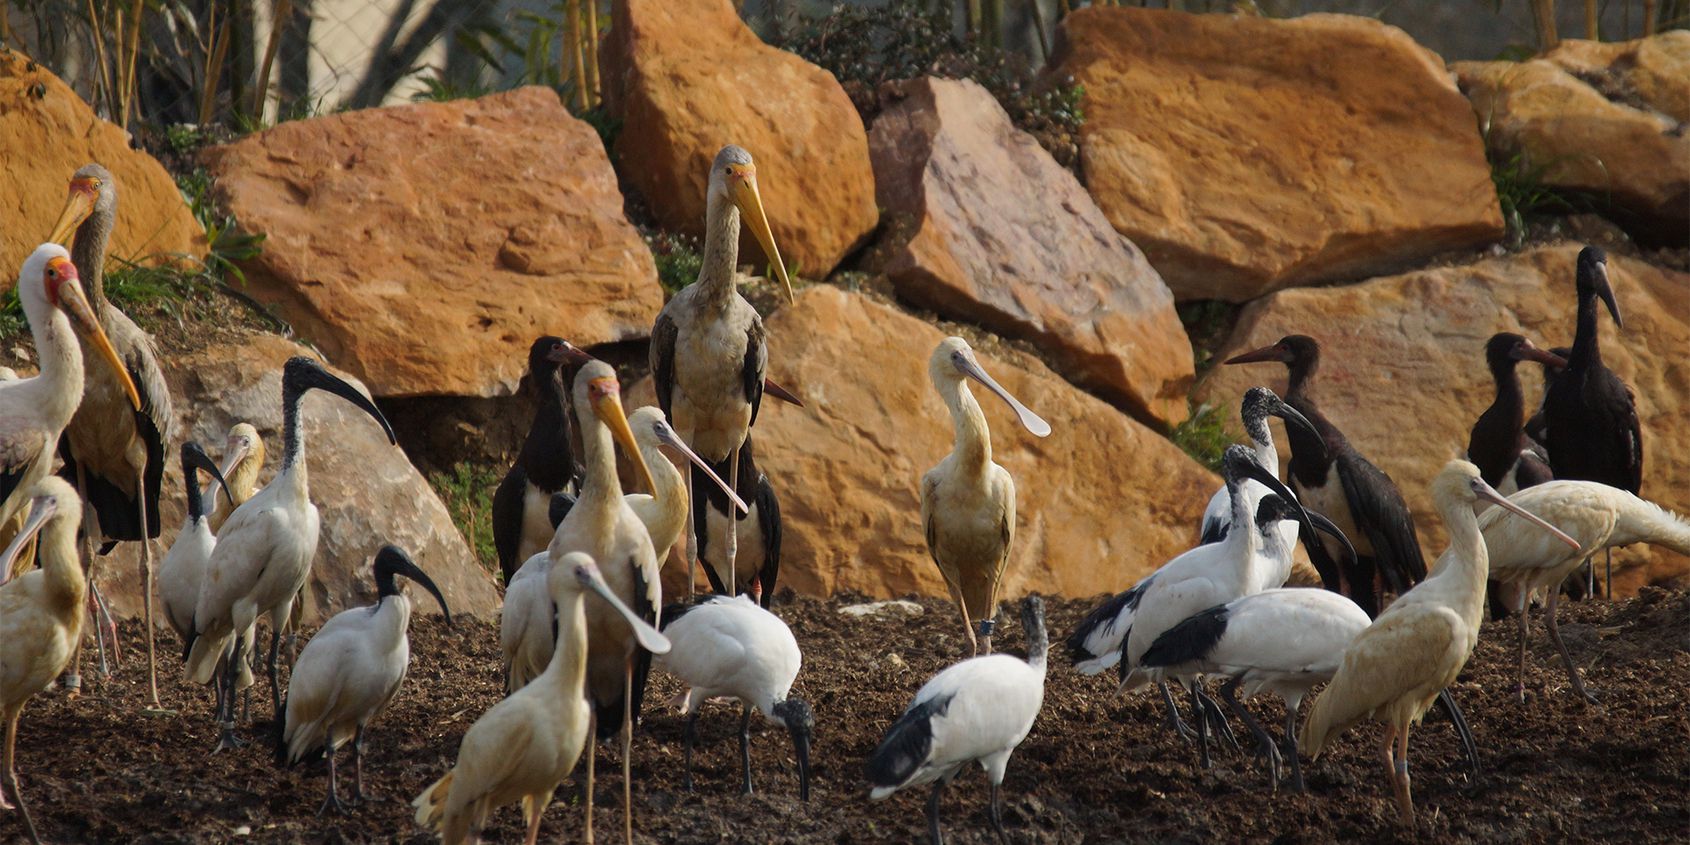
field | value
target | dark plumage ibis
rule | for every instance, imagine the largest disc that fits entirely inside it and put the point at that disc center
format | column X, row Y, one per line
column 1592, row 431
column 545, row 466
column 1331, row 477
column 350, row 671
column 757, row 562
column 976, row 711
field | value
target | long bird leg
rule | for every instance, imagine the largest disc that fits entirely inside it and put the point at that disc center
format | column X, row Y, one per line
column 745, row 748
column 1202, row 725
column 628, row 752
column 156, row 709
column 933, row 813
column 9, row 777
column 275, row 675
column 1459, row 720
column 690, row 736
column 962, row 607
column 587, row 788
column 1405, row 798
column 1566, row 658
column 1212, row 712
column 1608, row 578
column 731, row 546
column 1174, row 722
column 1386, row 754
column 1291, row 746
column 333, row 800
column 689, row 538
column 1266, row 746
column 1521, row 608
column 358, row 766
column 995, row 808
column 226, row 739
column 105, row 626
column 533, row 810
column 85, row 548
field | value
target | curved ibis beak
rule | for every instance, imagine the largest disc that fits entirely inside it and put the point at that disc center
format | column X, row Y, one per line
column 41, row 509
column 1248, row 468
column 194, row 457
column 801, row 748
column 666, row 435
column 1606, row 291
column 74, row 303
column 1254, row 356
column 409, row 569
column 607, row 406
column 78, row 206
column 1485, row 491
column 743, row 189
column 1317, row 549
column 313, row 376
column 1292, row 416
column 1029, row 420
column 1525, row 351
column 650, row 638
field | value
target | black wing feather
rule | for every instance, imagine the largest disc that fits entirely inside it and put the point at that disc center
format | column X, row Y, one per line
column 1190, row 640
column 508, row 501
column 907, row 744
column 1379, row 511
column 663, row 335
column 768, row 515
column 756, row 362
column 1104, row 614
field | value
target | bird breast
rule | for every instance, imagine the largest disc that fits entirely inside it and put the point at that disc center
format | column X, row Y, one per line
column 710, row 407
column 25, row 618
column 1329, row 500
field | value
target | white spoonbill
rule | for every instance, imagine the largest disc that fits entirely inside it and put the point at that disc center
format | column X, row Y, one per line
column 41, row 609
column 528, row 743
column 978, row 710
column 350, row 672
column 1599, row 517
column 1396, row 667
column 729, row 647
column 967, row 501
column 263, row 554
column 243, row 458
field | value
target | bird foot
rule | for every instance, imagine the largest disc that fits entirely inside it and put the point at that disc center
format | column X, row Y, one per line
column 331, row 802
column 1180, row 728
column 227, row 741
column 158, row 711
column 73, row 686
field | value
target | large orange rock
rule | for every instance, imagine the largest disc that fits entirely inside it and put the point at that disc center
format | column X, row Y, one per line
column 366, row 490
column 1403, row 372
column 1100, row 503
column 424, row 247
column 1246, row 154
column 686, row 77
column 1605, row 119
column 46, row 133
column 987, row 227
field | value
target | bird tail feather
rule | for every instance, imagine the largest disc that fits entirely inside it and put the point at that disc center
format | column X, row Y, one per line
column 431, row 804
column 1643, row 521
column 1328, row 717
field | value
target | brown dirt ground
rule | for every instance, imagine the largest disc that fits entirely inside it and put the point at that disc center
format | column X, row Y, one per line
column 1096, row 768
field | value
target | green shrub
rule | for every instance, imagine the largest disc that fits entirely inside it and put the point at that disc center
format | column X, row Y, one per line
column 1203, row 436
column 467, row 491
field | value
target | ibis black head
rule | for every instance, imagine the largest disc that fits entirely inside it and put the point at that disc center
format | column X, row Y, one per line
column 391, row 561
column 1033, row 628
column 194, row 460
column 1593, row 280
column 1504, row 349
column 301, row 375
column 1292, row 350
column 800, row 722
column 1272, row 510
column 548, row 353
column 1261, row 403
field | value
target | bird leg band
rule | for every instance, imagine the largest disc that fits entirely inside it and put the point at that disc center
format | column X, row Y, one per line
column 1402, row 767
column 986, row 626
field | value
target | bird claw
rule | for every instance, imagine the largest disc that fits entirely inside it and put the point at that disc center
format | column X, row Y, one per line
column 227, row 741
column 334, row 802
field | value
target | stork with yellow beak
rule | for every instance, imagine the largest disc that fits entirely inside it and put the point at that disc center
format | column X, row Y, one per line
column 34, row 411
column 113, row 451
column 708, row 349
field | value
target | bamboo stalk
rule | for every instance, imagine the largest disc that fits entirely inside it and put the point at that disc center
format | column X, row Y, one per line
column 1543, row 16
column 1590, row 21
column 1648, row 18
column 572, row 8
column 593, row 53
column 1039, row 27
column 281, row 11
column 102, row 76
column 131, row 49
column 215, row 56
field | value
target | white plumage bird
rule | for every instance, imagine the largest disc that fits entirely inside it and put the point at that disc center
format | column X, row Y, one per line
column 1599, row 517
column 665, row 510
column 732, row 648
column 525, row 746
column 263, row 554
column 1396, row 667
column 1284, row 641
column 350, row 672
column 978, row 710
column 184, row 566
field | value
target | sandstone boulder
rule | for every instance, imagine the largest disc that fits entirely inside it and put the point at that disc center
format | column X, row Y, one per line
column 1609, row 120
column 1403, row 375
column 424, row 247
column 365, row 489
column 46, row 133
column 1101, row 502
column 1246, row 154
column 686, row 77
column 988, row 228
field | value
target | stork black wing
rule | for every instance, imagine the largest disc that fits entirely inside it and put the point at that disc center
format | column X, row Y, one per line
column 663, row 335
column 756, row 362
column 768, row 517
column 507, row 519
column 1379, row 511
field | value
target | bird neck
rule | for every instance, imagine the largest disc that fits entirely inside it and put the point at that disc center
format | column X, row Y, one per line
column 1509, row 395
column 1466, row 564
column 670, row 495
column 1586, row 341
column 546, row 453
column 293, row 437
column 1261, row 438
column 1300, row 380
column 973, row 440
column 566, row 674
column 601, row 490
column 61, row 567
column 88, row 253
column 61, row 379
column 1038, row 646
column 196, row 505
column 721, row 253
